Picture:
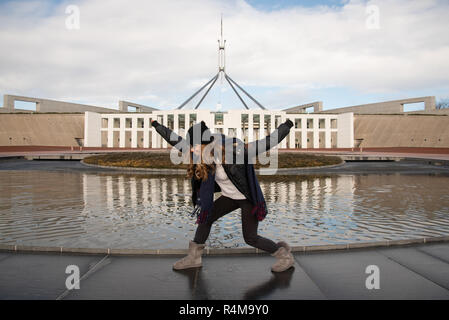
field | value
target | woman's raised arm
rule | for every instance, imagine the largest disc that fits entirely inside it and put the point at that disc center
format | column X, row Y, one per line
column 263, row 145
column 170, row 136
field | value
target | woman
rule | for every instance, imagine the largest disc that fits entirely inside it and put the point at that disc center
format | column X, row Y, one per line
column 237, row 182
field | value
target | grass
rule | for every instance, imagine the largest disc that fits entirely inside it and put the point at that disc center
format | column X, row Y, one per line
column 162, row 160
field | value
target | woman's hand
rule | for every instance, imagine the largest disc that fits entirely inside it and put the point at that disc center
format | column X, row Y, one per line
column 154, row 123
column 289, row 123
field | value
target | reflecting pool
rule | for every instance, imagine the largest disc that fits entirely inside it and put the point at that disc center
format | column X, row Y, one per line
column 116, row 210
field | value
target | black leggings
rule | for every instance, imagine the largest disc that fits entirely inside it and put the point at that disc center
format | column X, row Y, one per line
column 224, row 205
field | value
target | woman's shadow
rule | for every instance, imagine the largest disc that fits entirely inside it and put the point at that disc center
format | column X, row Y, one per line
column 198, row 287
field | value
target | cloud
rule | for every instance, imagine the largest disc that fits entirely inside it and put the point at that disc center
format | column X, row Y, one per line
column 158, row 52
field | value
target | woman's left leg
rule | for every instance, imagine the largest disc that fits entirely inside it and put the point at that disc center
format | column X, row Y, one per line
column 249, row 229
column 280, row 250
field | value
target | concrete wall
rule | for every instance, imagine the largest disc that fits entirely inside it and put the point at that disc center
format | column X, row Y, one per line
column 47, row 105
column 394, row 106
column 317, row 107
column 345, row 135
column 41, row 129
column 92, row 125
column 402, row 130
column 123, row 107
column 436, row 111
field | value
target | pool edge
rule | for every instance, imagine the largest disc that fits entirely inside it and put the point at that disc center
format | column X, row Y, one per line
column 224, row 251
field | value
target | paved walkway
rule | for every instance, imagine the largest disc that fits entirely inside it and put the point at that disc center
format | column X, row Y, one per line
column 413, row 272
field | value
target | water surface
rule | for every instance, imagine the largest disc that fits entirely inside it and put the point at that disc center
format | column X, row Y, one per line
column 115, row 210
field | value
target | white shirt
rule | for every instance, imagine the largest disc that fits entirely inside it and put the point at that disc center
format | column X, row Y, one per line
column 227, row 187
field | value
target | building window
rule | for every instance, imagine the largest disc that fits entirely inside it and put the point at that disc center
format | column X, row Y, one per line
column 244, row 120
column 192, row 119
column 170, row 121
column 140, row 123
column 128, row 123
column 333, row 123
column 182, row 121
column 321, row 123
column 218, row 118
column 267, row 120
column 297, row 123
column 309, row 123
column 256, row 121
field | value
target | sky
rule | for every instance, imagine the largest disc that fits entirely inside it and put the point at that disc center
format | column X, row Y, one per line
column 284, row 53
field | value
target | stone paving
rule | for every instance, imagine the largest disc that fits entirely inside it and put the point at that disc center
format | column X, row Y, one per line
column 409, row 272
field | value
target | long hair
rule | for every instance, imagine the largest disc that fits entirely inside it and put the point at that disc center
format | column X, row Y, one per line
column 207, row 165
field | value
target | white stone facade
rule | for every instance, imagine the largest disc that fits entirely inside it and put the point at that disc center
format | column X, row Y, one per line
column 133, row 130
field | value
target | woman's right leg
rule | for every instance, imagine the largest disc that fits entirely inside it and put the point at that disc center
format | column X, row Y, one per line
column 222, row 206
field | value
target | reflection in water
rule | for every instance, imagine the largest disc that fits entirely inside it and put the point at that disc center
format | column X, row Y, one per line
column 199, row 286
column 279, row 280
column 144, row 211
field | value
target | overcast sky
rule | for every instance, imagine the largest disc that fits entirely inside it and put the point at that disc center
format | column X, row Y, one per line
column 285, row 53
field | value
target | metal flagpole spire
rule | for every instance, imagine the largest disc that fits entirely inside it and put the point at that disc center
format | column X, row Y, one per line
column 221, row 52
column 222, row 75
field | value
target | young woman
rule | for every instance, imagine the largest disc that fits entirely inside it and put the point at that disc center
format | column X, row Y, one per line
column 238, row 185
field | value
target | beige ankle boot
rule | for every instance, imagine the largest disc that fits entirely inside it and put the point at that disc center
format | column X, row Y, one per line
column 193, row 258
column 284, row 258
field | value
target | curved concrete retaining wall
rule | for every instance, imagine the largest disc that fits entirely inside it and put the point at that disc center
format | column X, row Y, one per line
column 214, row 251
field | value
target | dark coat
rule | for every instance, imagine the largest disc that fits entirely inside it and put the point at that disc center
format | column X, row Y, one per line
column 236, row 172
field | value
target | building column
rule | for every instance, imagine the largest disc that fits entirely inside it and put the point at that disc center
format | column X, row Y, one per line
column 327, row 134
column 292, row 135
column 272, row 123
column 303, row 133
column 250, row 127
column 146, row 142
column 284, row 141
column 134, row 132
column 164, row 122
column 316, row 133
column 110, row 132
column 239, row 126
column 122, row 131
column 154, row 138
column 176, row 124
column 186, row 122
